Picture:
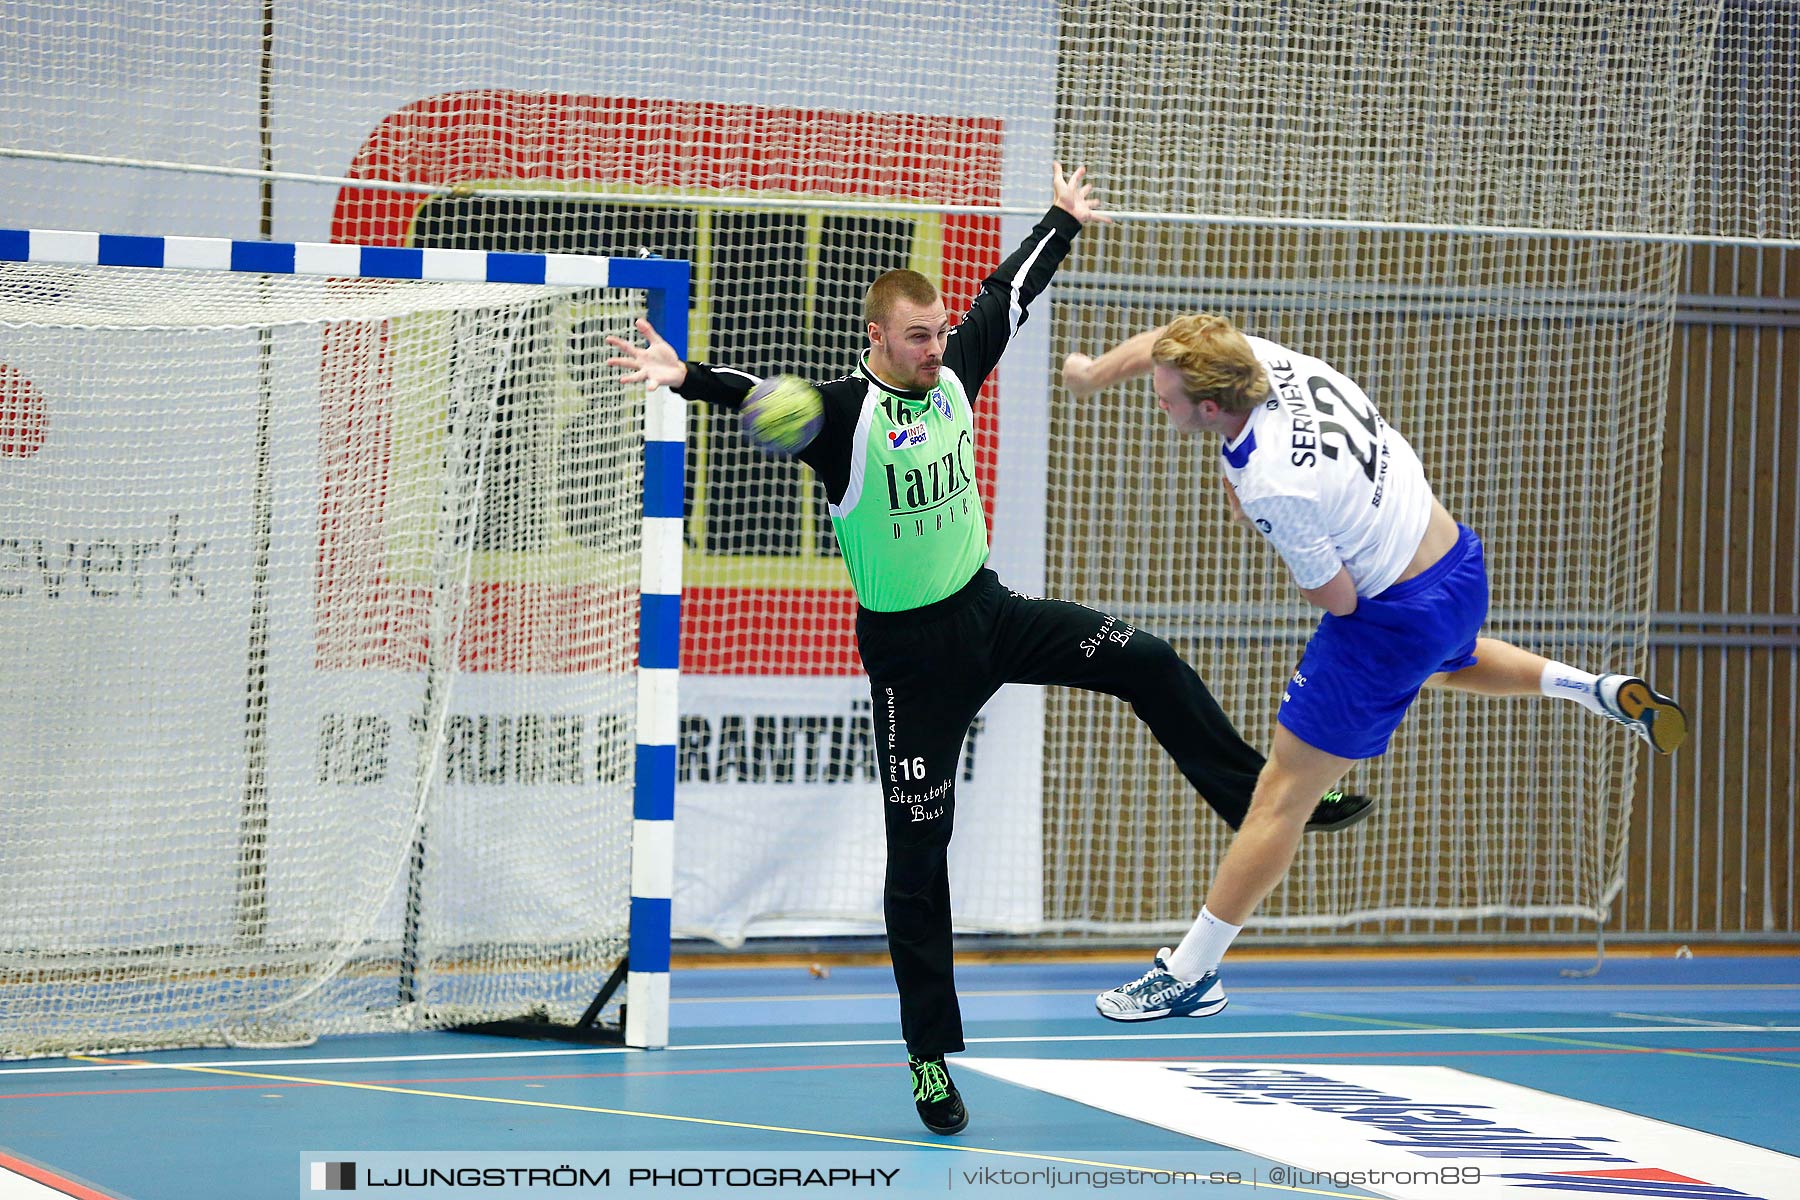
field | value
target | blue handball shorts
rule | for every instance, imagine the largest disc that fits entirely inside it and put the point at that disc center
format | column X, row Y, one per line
column 1360, row 673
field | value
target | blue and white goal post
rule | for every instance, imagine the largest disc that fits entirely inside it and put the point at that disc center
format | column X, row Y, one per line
column 440, row 740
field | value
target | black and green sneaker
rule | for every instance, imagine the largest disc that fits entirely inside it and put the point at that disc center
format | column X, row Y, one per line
column 1339, row 810
column 939, row 1103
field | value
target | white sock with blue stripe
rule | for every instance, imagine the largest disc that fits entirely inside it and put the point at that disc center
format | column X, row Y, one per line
column 1566, row 683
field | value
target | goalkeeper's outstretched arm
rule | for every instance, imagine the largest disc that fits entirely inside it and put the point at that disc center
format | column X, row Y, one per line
column 657, row 365
column 814, row 425
column 1005, row 297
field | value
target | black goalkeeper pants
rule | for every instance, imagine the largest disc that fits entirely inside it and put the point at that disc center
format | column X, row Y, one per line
column 930, row 671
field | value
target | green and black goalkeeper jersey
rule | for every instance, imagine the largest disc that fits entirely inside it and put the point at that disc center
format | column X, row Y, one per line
column 898, row 466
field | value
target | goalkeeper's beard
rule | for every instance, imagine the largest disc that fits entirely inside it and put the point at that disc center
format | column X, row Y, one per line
column 895, row 374
column 926, row 377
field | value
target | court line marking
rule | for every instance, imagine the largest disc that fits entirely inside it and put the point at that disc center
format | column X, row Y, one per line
column 1522, row 1035
column 1260, row 1056
column 534, row 1078
column 1733, row 1025
column 46, row 1181
column 680, row 1119
column 851, row 1043
column 1448, row 988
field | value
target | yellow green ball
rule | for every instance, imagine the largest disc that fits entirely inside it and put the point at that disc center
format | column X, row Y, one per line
column 783, row 414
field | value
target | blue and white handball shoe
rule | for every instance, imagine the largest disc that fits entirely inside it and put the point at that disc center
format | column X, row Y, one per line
column 1156, row 993
column 1658, row 719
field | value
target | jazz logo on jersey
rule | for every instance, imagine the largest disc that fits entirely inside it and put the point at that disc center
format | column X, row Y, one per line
column 906, row 435
column 942, row 403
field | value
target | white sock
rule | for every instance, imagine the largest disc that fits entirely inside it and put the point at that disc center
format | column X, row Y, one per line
column 1202, row 948
column 1566, row 683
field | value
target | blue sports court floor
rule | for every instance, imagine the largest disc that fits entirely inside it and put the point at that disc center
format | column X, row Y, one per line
column 1659, row 1076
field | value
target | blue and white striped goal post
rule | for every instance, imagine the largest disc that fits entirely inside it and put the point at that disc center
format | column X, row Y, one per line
column 666, row 284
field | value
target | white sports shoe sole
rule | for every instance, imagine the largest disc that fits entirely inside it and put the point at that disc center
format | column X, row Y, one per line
column 1660, row 720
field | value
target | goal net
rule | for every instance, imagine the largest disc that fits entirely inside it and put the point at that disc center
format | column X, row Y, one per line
column 319, row 603
column 1475, row 214
column 1474, row 211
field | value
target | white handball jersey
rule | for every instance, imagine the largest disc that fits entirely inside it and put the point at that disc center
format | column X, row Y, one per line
column 1325, row 479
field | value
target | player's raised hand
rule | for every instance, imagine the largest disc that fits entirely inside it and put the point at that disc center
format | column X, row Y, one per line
column 655, row 364
column 1074, row 196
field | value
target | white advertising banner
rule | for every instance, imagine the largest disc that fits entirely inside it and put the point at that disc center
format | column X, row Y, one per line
column 1415, row 1133
column 530, row 803
column 124, row 617
column 778, row 819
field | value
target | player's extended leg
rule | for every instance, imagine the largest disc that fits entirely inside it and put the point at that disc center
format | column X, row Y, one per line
column 918, row 792
column 1056, row 642
column 1263, row 849
column 919, row 747
column 924, row 691
column 1185, row 982
column 1503, row 669
column 1500, row 669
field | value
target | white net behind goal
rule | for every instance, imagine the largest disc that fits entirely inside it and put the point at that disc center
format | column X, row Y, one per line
column 319, row 602
column 1528, row 380
column 1368, row 162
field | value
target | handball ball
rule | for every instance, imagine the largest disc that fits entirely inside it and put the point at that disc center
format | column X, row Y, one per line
column 783, row 414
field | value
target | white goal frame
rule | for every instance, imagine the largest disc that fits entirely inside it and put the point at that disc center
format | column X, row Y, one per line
column 667, row 286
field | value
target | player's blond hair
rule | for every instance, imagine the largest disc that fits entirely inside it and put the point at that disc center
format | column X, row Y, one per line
column 894, row 286
column 1214, row 360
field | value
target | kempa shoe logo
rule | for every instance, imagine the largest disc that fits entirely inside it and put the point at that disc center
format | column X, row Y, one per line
column 334, row 1177
column 1158, row 990
column 1169, row 991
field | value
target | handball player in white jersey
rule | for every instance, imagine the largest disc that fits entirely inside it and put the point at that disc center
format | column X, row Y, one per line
column 1309, row 462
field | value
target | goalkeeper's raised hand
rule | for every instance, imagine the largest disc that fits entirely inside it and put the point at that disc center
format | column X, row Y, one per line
column 656, row 364
column 1075, row 196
